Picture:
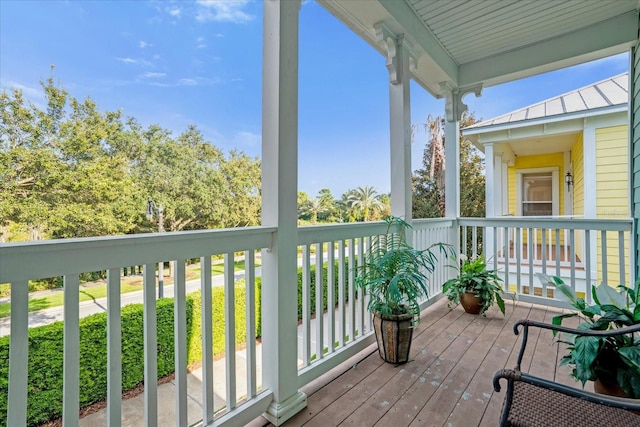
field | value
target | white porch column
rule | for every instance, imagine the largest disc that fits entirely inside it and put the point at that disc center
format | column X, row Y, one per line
column 489, row 188
column 400, row 58
column 279, row 208
column 454, row 109
column 490, row 180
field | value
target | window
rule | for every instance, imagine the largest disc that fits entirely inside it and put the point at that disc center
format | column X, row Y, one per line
column 538, row 192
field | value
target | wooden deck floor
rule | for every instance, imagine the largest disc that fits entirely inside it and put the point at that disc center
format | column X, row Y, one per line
column 448, row 380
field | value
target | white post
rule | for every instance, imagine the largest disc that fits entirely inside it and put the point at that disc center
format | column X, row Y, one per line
column 279, row 208
column 489, row 185
column 454, row 109
column 398, row 63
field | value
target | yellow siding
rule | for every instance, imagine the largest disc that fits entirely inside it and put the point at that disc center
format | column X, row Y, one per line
column 612, row 192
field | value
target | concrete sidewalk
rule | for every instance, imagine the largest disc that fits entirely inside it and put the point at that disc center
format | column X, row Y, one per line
column 133, row 408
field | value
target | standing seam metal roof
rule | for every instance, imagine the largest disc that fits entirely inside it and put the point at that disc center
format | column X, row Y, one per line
column 605, row 93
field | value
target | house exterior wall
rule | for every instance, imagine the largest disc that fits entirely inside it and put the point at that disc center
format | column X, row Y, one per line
column 612, row 192
column 634, row 120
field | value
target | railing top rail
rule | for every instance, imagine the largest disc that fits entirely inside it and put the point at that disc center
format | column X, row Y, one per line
column 333, row 232
column 551, row 223
column 325, row 233
column 51, row 258
column 426, row 223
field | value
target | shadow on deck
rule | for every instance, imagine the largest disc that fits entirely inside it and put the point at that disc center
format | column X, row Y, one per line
column 448, row 380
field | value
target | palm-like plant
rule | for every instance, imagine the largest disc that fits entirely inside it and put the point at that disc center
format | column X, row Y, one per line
column 365, row 199
column 314, row 207
column 395, row 274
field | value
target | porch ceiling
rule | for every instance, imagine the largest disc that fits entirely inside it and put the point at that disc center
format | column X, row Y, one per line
column 493, row 41
column 538, row 145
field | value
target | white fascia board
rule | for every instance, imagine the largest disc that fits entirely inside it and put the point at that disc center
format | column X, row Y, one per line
column 606, row 38
column 545, row 123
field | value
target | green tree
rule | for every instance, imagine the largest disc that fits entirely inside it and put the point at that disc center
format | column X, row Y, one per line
column 313, row 208
column 428, row 182
column 365, row 200
column 57, row 175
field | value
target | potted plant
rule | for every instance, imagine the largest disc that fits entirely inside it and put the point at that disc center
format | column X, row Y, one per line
column 395, row 277
column 613, row 363
column 475, row 287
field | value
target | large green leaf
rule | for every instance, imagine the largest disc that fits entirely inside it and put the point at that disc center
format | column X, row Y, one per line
column 584, row 355
column 631, row 356
column 606, row 295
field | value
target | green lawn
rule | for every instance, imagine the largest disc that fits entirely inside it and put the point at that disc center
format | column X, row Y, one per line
column 128, row 284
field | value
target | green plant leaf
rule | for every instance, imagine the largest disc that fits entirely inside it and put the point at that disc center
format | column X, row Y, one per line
column 606, row 295
column 584, row 355
column 631, row 356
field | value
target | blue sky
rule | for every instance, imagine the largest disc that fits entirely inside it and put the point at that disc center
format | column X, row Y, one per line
column 176, row 63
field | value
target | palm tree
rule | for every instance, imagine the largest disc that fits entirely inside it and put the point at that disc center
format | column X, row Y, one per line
column 314, row 207
column 365, row 199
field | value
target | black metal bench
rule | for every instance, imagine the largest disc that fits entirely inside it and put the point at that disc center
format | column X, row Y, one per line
column 535, row 401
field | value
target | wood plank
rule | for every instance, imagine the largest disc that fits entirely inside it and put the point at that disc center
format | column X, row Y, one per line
column 410, row 375
column 480, row 389
column 448, row 379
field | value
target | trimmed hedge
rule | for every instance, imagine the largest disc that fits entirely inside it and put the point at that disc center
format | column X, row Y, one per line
column 45, row 382
column 312, row 287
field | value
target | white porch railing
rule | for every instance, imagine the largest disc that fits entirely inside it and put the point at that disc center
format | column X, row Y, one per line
column 581, row 251
column 345, row 328
column 327, row 336
column 22, row 262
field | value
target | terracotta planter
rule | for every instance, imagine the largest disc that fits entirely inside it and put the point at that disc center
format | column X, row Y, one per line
column 470, row 302
column 608, row 388
column 394, row 336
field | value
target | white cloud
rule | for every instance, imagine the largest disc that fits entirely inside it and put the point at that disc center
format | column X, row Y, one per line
column 150, row 75
column 176, row 12
column 187, row 82
column 201, row 43
column 247, row 140
column 223, row 11
column 127, row 60
column 28, row 92
column 143, row 44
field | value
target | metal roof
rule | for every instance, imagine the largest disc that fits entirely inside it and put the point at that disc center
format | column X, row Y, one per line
column 606, row 93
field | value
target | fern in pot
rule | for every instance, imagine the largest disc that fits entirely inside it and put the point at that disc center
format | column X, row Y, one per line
column 475, row 287
column 395, row 276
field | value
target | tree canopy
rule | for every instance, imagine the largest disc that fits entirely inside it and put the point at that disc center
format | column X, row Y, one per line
column 69, row 169
column 428, row 182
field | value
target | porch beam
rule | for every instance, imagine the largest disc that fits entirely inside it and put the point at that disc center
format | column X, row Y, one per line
column 279, row 207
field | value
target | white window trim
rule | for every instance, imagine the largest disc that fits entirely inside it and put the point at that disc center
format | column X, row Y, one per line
column 555, row 192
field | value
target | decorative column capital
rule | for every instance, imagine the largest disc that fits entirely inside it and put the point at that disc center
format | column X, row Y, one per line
column 454, row 106
column 393, row 44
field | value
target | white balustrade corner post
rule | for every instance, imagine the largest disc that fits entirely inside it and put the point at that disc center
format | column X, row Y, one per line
column 279, row 208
